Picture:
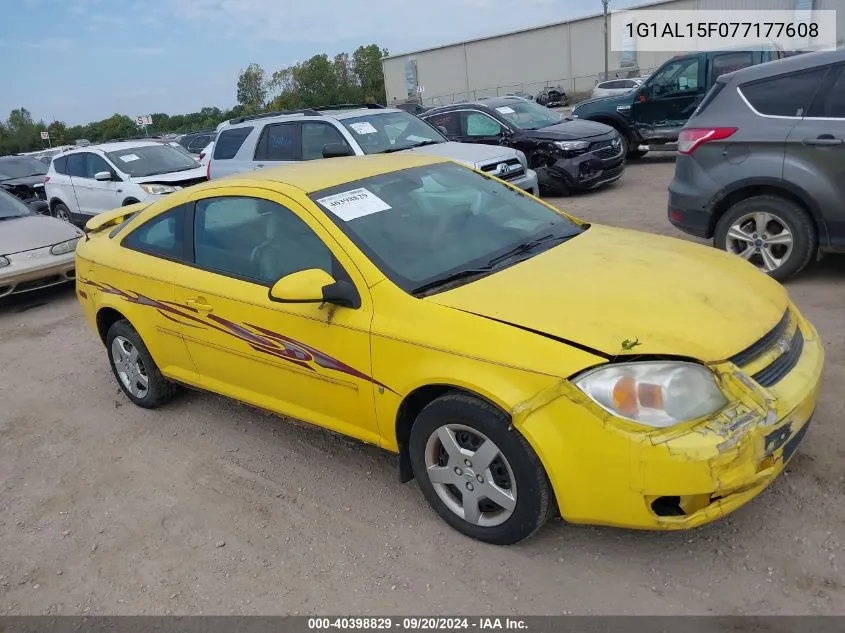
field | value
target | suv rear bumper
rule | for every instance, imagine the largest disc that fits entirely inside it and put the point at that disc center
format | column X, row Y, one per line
column 691, row 196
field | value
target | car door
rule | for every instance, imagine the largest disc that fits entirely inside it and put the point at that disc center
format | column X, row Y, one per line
column 815, row 150
column 315, row 135
column 668, row 99
column 448, row 123
column 479, row 127
column 278, row 143
column 309, row 361
column 76, row 173
column 95, row 196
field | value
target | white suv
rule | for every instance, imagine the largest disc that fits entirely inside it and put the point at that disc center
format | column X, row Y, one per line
column 89, row 180
column 253, row 142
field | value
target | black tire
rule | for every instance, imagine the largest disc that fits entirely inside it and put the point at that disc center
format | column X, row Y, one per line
column 628, row 144
column 159, row 389
column 533, row 498
column 61, row 212
column 791, row 215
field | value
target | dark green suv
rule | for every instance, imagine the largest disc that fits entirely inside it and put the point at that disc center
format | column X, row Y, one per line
column 654, row 113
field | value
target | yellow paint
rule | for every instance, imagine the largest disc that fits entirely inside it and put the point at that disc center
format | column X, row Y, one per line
column 597, row 290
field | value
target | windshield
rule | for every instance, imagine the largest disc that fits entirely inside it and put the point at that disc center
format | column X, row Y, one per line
column 528, row 115
column 393, row 131
column 422, row 224
column 149, row 160
column 11, row 207
column 21, row 167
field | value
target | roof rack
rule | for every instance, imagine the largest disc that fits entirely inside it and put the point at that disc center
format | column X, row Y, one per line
column 264, row 115
column 351, row 106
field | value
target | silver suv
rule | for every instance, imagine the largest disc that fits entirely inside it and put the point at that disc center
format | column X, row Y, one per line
column 263, row 140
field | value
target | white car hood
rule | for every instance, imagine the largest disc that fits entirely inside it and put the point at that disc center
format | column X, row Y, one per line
column 472, row 154
column 176, row 176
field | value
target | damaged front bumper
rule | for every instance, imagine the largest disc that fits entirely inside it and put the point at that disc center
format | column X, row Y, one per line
column 581, row 173
column 606, row 472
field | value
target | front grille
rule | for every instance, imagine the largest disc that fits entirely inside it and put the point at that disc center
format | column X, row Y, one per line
column 775, row 371
column 783, row 364
column 605, row 149
column 514, row 169
column 756, row 350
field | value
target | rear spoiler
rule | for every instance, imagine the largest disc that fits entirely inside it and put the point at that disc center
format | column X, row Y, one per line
column 106, row 219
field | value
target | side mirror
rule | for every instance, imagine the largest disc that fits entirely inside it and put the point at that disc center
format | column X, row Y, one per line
column 103, row 175
column 336, row 150
column 442, row 129
column 314, row 286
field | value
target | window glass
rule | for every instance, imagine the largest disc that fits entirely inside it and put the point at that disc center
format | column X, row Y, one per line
column 676, row 78
column 527, row 115
column 390, row 131
column 230, row 141
column 479, row 124
column 315, row 136
column 148, row 160
column 76, row 165
column 60, row 164
column 728, row 63
column 449, row 120
column 163, row 236
column 834, row 107
column 255, row 240
column 784, row 95
column 94, row 164
column 20, row 167
column 279, row 141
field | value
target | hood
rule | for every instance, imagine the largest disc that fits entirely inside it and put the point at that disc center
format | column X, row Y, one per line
column 608, row 285
column 29, row 181
column 34, row 231
column 626, row 98
column 176, row 176
column 569, row 131
column 472, row 154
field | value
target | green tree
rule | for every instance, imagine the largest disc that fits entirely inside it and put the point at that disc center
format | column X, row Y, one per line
column 368, row 69
column 252, row 88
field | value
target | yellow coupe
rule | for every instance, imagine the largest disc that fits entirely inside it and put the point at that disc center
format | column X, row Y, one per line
column 519, row 361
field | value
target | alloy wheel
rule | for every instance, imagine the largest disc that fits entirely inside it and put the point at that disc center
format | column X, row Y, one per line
column 129, row 367
column 761, row 238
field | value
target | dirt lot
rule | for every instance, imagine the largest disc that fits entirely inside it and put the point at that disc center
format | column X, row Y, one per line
column 208, row 507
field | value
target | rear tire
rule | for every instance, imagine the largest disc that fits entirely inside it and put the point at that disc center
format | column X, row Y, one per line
column 134, row 368
column 504, row 496
column 61, row 212
column 772, row 233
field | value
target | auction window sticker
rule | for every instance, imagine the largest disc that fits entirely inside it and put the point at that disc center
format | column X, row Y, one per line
column 353, row 204
column 505, row 110
column 364, row 127
column 128, row 158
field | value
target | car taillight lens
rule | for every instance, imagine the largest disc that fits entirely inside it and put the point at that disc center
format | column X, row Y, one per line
column 690, row 139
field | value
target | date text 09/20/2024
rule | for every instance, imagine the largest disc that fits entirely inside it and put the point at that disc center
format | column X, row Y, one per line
column 416, row 623
column 678, row 30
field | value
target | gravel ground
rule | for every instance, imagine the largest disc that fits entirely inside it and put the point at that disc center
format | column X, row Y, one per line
column 208, row 507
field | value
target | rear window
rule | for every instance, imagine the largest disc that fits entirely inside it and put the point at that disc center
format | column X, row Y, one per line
column 229, row 142
column 784, row 95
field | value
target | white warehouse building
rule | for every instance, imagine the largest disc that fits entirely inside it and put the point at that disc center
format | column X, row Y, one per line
column 567, row 54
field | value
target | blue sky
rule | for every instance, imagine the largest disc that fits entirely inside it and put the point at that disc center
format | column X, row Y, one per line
column 83, row 60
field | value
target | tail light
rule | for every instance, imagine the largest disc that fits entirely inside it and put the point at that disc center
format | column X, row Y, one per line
column 690, row 139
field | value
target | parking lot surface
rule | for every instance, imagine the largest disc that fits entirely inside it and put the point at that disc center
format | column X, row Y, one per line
column 209, row 507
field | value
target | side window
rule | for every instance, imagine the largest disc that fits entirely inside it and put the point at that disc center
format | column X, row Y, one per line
column 60, row 165
column 479, row 124
column 317, row 135
column 677, row 77
column 255, row 240
column 784, row 95
column 163, row 236
column 230, row 141
column 833, row 107
column 279, row 141
column 450, row 120
column 76, row 165
column 728, row 63
column 94, row 164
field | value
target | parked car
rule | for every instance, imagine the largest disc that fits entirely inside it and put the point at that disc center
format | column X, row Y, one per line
column 654, row 113
column 87, row 181
column 552, row 97
column 205, row 154
column 36, row 251
column 489, row 340
column 196, row 141
column 615, row 87
column 23, row 177
column 255, row 142
column 760, row 163
column 567, row 155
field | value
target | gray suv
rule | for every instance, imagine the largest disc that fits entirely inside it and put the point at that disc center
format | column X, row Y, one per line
column 760, row 163
column 253, row 142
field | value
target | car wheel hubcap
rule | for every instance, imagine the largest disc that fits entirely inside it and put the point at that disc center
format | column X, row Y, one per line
column 761, row 238
column 470, row 475
column 129, row 367
column 61, row 214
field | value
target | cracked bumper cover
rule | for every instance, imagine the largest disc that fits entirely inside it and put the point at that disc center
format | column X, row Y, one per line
column 582, row 173
column 713, row 467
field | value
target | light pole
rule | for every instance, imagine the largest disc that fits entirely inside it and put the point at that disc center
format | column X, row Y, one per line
column 604, row 4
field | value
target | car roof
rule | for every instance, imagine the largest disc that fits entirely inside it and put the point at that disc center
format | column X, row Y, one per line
column 489, row 102
column 114, row 147
column 794, row 63
column 315, row 175
column 340, row 113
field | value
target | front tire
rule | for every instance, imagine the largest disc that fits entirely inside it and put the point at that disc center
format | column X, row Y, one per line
column 774, row 234
column 134, row 368
column 481, row 477
column 61, row 212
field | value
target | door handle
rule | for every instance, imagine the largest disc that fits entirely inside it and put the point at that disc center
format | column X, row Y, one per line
column 259, row 166
column 199, row 305
column 824, row 140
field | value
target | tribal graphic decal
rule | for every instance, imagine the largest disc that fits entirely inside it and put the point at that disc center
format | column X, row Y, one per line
column 258, row 338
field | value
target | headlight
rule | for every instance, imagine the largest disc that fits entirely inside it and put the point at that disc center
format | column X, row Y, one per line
column 572, row 146
column 654, row 393
column 4, row 261
column 158, row 190
column 63, row 248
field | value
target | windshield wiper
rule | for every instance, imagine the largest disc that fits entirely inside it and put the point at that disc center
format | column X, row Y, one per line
column 527, row 246
column 390, row 150
column 442, row 281
column 10, row 217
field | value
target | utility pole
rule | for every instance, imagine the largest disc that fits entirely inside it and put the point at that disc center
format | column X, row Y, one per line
column 604, row 4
